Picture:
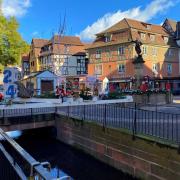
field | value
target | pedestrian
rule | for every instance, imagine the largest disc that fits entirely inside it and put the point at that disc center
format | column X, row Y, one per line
column 57, row 92
column 62, row 92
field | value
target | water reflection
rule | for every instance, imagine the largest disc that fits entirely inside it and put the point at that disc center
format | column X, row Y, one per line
column 12, row 134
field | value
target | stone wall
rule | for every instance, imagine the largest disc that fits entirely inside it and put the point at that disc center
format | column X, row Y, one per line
column 153, row 98
column 141, row 158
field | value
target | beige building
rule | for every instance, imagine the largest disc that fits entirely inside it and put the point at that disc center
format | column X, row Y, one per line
column 35, row 49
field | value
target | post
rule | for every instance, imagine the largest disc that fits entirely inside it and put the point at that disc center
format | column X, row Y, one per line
column 84, row 115
column 68, row 113
column 134, row 123
column 3, row 117
column 104, row 122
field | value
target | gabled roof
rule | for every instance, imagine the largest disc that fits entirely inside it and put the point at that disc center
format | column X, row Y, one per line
column 153, row 28
column 72, row 40
column 172, row 23
column 134, row 29
column 38, row 43
column 131, row 23
column 116, row 27
column 34, row 74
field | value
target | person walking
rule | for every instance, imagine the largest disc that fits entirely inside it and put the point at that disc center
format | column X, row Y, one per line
column 57, row 92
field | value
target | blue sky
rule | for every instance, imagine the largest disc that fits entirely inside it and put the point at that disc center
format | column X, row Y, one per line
column 41, row 18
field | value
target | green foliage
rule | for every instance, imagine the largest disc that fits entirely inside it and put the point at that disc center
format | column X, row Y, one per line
column 85, row 94
column 12, row 46
column 48, row 95
column 116, row 95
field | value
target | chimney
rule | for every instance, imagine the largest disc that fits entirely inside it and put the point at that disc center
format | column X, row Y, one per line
column 178, row 30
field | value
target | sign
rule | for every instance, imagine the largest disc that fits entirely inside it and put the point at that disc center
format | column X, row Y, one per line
column 11, row 75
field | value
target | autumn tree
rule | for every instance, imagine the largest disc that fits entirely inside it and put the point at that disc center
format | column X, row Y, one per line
column 12, row 46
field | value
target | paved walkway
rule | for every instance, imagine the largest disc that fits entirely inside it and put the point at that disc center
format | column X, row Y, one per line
column 39, row 102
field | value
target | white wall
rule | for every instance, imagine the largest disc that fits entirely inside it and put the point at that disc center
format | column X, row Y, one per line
column 46, row 75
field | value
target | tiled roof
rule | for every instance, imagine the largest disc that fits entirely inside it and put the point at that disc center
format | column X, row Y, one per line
column 38, row 43
column 116, row 27
column 73, row 40
column 80, row 54
column 157, row 29
column 130, row 23
column 86, row 45
column 64, row 45
column 134, row 28
column 172, row 23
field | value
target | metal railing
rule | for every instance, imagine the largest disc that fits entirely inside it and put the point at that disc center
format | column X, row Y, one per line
column 22, row 162
column 129, row 116
column 164, row 126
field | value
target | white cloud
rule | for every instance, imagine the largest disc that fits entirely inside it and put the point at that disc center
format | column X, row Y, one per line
column 146, row 14
column 35, row 33
column 16, row 8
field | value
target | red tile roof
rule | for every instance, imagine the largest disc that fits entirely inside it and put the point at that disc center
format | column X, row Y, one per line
column 38, row 43
column 73, row 40
column 134, row 28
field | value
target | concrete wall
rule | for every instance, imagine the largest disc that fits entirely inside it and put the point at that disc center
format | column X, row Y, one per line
column 141, row 158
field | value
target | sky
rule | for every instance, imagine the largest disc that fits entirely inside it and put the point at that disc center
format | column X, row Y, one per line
column 43, row 18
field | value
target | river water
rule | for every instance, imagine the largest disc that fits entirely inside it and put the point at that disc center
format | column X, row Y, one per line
column 64, row 159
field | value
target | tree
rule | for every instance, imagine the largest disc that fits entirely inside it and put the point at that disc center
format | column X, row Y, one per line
column 12, row 46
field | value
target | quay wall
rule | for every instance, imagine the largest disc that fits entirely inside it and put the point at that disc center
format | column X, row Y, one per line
column 144, row 159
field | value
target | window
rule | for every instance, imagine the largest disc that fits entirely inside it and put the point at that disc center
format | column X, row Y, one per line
column 148, row 26
column 108, row 38
column 98, row 69
column 144, row 50
column 66, row 48
column 170, row 52
column 165, row 40
column 108, row 53
column 78, row 61
column 154, row 51
column 152, row 37
column 169, row 68
column 121, row 68
column 98, row 54
column 155, row 68
column 121, row 50
column 143, row 36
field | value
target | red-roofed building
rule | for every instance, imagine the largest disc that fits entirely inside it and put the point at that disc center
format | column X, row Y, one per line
column 112, row 53
column 64, row 55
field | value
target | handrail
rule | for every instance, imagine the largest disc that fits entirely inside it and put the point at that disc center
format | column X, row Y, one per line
column 35, row 165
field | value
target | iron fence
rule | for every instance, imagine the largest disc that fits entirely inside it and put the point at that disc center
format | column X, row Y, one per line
column 161, row 125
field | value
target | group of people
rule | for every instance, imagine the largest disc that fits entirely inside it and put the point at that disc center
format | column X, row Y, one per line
column 60, row 93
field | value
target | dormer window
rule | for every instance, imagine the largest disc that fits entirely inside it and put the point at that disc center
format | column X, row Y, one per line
column 143, row 36
column 108, row 38
column 148, row 26
column 152, row 37
column 165, row 39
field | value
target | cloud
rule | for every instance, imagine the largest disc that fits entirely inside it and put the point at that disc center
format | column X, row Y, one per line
column 109, row 19
column 16, row 8
column 35, row 33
